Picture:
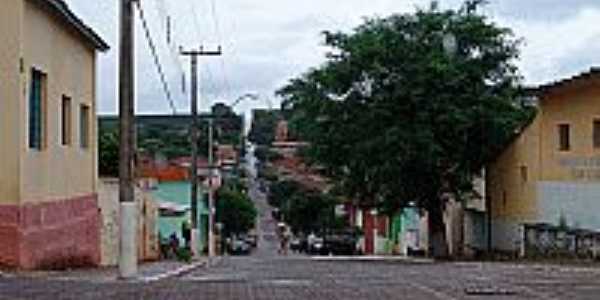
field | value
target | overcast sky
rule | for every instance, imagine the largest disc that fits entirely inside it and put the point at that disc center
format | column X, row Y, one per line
column 267, row 42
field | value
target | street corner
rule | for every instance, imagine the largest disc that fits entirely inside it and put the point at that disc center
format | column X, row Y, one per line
column 169, row 270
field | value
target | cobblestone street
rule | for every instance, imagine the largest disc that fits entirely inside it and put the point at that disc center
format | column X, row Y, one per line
column 303, row 278
column 267, row 275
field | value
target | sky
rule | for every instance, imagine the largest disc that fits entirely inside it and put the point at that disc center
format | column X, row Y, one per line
column 267, row 42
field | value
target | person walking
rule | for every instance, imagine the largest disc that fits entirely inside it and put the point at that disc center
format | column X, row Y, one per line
column 285, row 240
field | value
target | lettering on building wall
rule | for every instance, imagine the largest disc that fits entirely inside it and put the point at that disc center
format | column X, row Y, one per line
column 582, row 168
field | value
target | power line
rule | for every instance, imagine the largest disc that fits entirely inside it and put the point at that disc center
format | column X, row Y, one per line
column 207, row 69
column 213, row 10
column 157, row 63
column 167, row 25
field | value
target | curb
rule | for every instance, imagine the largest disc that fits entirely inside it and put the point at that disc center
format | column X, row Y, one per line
column 402, row 259
column 174, row 273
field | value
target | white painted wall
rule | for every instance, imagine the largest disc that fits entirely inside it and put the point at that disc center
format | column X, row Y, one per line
column 578, row 201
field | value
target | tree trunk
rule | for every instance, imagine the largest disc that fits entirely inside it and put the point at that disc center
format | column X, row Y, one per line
column 438, row 245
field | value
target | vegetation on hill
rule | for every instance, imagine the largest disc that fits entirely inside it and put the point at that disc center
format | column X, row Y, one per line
column 167, row 135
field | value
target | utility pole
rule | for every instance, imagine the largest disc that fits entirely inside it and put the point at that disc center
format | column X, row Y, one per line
column 194, row 165
column 211, row 198
column 128, row 207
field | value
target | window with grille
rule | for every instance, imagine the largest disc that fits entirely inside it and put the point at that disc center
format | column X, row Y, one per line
column 37, row 94
column 66, row 130
column 564, row 136
column 84, row 126
column 596, row 134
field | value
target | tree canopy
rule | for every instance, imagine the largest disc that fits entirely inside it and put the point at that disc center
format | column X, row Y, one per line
column 410, row 107
column 235, row 210
column 108, row 154
column 304, row 210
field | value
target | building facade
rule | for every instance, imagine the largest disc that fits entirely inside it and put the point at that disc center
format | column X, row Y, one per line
column 48, row 204
column 550, row 173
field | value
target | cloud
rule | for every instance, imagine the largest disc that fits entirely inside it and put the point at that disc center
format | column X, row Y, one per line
column 553, row 50
column 542, row 10
column 267, row 42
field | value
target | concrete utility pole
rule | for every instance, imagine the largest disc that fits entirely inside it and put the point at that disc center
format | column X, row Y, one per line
column 211, row 198
column 128, row 207
column 194, row 165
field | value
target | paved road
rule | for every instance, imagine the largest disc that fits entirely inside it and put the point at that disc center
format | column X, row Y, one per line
column 301, row 278
column 266, row 275
column 266, row 226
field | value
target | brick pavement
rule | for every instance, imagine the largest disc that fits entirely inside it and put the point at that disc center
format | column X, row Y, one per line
column 268, row 276
column 302, row 278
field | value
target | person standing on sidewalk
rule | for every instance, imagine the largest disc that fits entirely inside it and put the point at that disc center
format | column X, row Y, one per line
column 186, row 234
column 285, row 240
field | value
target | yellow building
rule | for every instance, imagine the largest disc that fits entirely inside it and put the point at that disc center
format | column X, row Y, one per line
column 551, row 170
column 48, row 174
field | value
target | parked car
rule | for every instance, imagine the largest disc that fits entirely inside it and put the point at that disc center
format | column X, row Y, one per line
column 251, row 239
column 296, row 244
column 317, row 247
column 340, row 243
column 276, row 214
column 239, row 247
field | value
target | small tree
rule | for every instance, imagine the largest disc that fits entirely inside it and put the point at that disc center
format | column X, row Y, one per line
column 235, row 211
column 108, row 154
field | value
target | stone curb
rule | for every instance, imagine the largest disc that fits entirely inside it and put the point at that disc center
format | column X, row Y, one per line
column 174, row 273
column 373, row 258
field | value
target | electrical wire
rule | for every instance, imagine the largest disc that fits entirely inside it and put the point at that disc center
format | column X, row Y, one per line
column 157, row 63
column 213, row 10
column 163, row 12
column 207, row 69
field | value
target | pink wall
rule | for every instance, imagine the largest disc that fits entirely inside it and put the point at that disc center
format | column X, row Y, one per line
column 58, row 234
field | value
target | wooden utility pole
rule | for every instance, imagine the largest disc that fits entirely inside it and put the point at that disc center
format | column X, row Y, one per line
column 128, row 207
column 194, row 164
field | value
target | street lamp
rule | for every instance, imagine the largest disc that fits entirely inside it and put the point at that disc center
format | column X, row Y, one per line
column 450, row 44
column 251, row 96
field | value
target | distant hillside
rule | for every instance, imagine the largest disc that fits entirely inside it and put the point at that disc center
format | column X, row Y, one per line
column 169, row 134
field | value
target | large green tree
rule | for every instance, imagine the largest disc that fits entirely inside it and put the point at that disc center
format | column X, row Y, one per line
column 409, row 108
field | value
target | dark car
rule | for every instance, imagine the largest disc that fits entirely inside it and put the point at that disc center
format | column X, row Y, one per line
column 296, row 244
column 317, row 247
column 340, row 243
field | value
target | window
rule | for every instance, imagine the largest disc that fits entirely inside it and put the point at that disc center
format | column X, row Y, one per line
column 84, row 126
column 524, row 175
column 564, row 134
column 37, row 94
column 66, row 120
column 596, row 133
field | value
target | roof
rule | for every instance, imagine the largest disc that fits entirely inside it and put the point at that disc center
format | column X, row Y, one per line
column 60, row 9
column 186, row 161
column 589, row 74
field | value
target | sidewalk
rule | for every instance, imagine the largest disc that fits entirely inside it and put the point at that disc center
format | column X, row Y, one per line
column 147, row 272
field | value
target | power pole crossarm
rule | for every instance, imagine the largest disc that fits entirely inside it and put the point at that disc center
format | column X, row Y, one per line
column 202, row 52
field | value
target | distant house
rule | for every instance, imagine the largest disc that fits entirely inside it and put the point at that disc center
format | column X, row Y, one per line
column 48, row 174
column 550, row 173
